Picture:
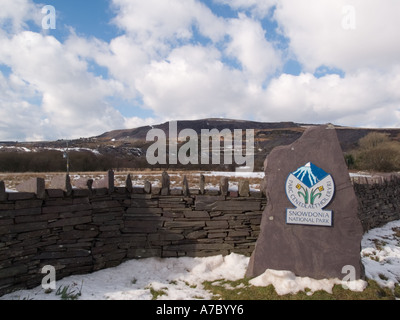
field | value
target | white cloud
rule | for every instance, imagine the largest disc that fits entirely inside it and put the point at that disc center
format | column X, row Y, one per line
column 192, row 83
column 365, row 98
column 157, row 25
column 73, row 100
column 369, row 55
column 317, row 37
column 15, row 110
column 15, row 14
column 258, row 8
column 249, row 45
column 177, row 78
column 53, row 91
column 136, row 122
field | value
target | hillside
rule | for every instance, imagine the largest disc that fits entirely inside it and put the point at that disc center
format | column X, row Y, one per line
column 127, row 148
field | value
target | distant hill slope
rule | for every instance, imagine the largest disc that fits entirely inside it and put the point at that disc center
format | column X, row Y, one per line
column 127, row 148
column 198, row 125
column 272, row 133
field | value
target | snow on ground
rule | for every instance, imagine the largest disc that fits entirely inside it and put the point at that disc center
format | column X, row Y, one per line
column 381, row 254
column 179, row 278
column 36, row 149
column 13, row 148
column 360, row 174
column 182, row 278
column 235, row 174
column 286, row 282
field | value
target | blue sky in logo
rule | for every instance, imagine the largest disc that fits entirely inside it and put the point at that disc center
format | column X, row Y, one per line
column 114, row 64
column 310, row 174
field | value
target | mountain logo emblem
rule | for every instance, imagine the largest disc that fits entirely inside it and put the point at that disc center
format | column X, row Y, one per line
column 310, row 189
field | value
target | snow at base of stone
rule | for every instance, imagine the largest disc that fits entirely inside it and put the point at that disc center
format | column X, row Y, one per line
column 286, row 282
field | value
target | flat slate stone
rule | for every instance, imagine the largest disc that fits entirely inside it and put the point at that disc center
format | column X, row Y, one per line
column 34, row 185
column 62, row 182
column 3, row 194
column 309, row 251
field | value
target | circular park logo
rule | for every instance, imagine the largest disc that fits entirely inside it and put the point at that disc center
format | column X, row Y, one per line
column 310, row 189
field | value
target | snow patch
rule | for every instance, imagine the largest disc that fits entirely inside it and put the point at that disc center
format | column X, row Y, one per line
column 286, row 282
column 234, row 174
column 176, row 278
column 381, row 254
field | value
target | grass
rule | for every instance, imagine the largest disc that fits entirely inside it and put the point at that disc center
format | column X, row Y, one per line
column 396, row 232
column 157, row 293
column 397, row 291
column 69, row 293
column 379, row 244
column 242, row 290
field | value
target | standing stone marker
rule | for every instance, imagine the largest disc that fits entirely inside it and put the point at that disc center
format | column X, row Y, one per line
column 202, row 183
column 3, row 194
column 165, row 184
column 310, row 225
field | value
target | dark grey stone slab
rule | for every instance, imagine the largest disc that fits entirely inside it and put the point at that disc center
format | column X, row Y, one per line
column 314, row 251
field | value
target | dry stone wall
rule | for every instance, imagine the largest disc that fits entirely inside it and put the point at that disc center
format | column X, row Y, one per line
column 379, row 199
column 83, row 230
column 99, row 226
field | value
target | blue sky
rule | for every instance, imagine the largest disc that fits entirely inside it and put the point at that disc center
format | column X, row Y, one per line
column 114, row 64
column 88, row 18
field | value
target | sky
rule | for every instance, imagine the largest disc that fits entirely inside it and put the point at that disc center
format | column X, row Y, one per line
column 116, row 64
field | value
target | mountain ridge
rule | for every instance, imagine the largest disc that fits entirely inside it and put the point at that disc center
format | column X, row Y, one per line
column 126, row 148
column 310, row 174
